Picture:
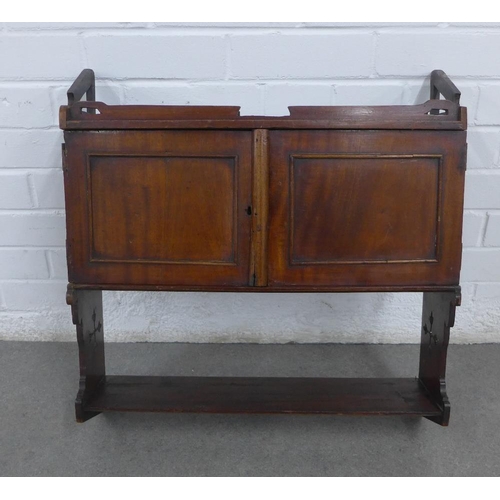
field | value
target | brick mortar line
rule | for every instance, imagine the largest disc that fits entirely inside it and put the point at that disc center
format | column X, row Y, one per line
column 483, row 249
column 44, row 281
column 481, row 128
column 219, row 31
column 483, row 282
column 375, row 48
column 32, row 191
column 49, row 264
column 116, row 80
column 84, row 57
column 44, row 211
column 474, row 290
column 200, row 30
column 475, row 107
column 26, row 129
column 24, row 247
column 3, row 304
column 120, row 79
column 31, row 247
column 29, row 170
column 480, row 211
column 494, row 171
column 48, row 128
column 227, row 58
column 483, row 229
column 11, row 26
column 54, row 108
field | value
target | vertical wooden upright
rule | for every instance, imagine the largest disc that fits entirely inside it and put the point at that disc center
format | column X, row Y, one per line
column 438, row 317
column 86, row 307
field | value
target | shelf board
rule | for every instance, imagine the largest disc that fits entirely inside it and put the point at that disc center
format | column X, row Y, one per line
column 363, row 396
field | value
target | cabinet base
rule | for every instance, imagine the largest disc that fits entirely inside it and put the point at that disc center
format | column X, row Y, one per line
column 350, row 396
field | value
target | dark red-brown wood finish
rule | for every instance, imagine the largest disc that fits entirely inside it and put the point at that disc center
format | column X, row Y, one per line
column 330, row 199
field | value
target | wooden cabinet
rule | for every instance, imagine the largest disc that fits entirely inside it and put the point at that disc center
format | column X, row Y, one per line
column 328, row 199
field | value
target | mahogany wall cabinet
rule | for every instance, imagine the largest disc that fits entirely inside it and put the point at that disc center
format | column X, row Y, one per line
column 328, row 199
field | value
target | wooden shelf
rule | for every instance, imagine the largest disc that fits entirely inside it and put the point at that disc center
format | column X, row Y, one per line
column 363, row 396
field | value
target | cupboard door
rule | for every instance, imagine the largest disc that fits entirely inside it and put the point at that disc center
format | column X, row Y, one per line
column 365, row 208
column 158, row 207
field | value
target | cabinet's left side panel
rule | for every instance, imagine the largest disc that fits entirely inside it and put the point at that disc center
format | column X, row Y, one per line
column 158, row 208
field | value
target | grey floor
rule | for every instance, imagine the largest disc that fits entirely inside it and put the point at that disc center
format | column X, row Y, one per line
column 39, row 436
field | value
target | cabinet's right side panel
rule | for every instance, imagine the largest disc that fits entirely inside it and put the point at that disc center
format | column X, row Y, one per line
column 365, row 208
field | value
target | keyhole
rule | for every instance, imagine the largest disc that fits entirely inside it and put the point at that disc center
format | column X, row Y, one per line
column 249, row 210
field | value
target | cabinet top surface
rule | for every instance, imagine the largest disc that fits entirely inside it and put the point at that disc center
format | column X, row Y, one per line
column 434, row 114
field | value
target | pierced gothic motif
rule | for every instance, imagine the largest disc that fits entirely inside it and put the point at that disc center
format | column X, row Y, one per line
column 428, row 331
column 92, row 335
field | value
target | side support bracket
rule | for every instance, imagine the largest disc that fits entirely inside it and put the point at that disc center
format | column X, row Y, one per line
column 438, row 317
column 86, row 308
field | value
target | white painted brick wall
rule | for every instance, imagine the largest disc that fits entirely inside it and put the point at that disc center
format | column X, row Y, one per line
column 263, row 68
column 36, row 148
column 488, row 291
column 248, row 96
column 33, row 295
column 412, row 52
column 56, row 258
column 23, row 263
column 370, row 93
column 473, row 228
column 42, row 57
column 49, row 188
column 25, row 106
column 488, row 110
column 481, row 264
column 37, row 228
column 287, row 56
column 156, row 55
column 14, row 190
column 278, row 96
column 483, row 147
column 482, row 189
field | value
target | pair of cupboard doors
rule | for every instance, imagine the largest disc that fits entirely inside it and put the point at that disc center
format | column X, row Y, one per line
column 264, row 209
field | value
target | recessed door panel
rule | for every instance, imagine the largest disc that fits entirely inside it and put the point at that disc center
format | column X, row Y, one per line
column 396, row 220
column 173, row 209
